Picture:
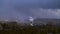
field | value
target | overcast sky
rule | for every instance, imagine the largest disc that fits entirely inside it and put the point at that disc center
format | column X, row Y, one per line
column 21, row 9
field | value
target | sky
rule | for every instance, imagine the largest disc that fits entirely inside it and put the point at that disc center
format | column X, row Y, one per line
column 21, row 9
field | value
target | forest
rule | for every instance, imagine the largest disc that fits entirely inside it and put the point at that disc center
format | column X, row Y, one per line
column 15, row 28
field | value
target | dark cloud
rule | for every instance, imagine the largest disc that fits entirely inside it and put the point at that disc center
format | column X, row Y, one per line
column 21, row 9
column 51, row 4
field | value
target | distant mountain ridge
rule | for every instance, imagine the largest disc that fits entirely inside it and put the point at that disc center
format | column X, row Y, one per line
column 46, row 21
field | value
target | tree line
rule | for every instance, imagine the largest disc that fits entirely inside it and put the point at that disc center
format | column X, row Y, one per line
column 15, row 28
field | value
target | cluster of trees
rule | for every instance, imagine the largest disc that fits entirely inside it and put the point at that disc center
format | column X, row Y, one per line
column 15, row 28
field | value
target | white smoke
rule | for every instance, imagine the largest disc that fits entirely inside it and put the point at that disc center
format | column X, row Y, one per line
column 31, row 19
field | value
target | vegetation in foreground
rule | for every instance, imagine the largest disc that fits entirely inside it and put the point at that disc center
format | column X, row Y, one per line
column 15, row 28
